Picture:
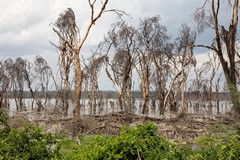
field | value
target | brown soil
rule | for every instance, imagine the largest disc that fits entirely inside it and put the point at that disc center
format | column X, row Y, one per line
column 184, row 127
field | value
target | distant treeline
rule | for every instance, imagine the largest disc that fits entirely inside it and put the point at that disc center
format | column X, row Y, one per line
column 113, row 95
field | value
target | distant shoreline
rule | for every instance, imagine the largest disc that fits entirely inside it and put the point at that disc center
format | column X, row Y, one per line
column 113, row 95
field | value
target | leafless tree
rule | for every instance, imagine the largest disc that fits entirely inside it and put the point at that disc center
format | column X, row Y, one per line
column 44, row 76
column 181, row 61
column 146, row 36
column 91, row 72
column 4, row 86
column 19, row 68
column 199, row 85
column 161, row 59
column 224, row 42
column 121, row 42
column 217, row 87
column 33, row 86
column 68, row 55
column 71, row 41
column 185, row 55
column 14, row 70
column 214, row 64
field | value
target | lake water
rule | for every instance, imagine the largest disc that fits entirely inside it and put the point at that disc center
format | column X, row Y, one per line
column 110, row 105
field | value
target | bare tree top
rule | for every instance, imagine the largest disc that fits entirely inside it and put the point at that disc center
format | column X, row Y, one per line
column 66, row 19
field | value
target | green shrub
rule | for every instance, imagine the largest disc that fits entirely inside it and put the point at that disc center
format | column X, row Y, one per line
column 216, row 148
column 27, row 143
column 4, row 119
column 65, row 147
column 139, row 143
column 231, row 149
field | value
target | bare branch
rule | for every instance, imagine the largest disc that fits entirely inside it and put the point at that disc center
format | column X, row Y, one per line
column 120, row 13
column 205, row 46
column 93, row 20
column 203, row 6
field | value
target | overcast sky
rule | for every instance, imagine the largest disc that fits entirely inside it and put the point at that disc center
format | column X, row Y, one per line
column 25, row 28
column 25, row 24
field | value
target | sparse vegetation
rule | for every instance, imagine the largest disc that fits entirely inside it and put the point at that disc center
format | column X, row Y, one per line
column 140, row 142
column 162, row 67
column 143, row 142
column 27, row 143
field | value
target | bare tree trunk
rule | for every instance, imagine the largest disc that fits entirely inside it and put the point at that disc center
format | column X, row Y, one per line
column 70, row 40
column 78, row 87
column 183, row 91
column 145, row 90
column 226, row 38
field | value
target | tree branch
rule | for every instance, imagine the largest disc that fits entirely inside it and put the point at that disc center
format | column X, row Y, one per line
column 92, row 21
column 208, row 47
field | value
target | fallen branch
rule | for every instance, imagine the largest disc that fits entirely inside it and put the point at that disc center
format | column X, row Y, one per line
column 98, row 127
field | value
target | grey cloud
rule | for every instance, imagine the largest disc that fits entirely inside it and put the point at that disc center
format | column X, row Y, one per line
column 34, row 17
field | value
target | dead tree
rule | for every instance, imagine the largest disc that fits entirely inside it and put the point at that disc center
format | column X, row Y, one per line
column 4, row 86
column 184, row 45
column 68, row 50
column 145, row 47
column 19, row 68
column 214, row 63
column 161, row 59
column 121, row 40
column 224, row 42
column 199, row 85
column 33, row 86
column 70, row 40
column 91, row 72
column 43, row 76
column 15, row 72
column 217, row 86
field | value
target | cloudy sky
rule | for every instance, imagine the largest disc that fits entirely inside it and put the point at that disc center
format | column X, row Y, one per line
column 25, row 25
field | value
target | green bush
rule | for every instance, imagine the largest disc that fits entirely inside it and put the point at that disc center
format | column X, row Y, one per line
column 139, row 143
column 216, row 148
column 4, row 119
column 142, row 142
column 29, row 143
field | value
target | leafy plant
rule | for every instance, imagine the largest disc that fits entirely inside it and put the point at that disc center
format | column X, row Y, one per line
column 141, row 142
column 4, row 119
column 27, row 143
column 217, row 147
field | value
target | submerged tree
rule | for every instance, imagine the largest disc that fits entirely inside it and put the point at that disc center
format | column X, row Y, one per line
column 43, row 75
column 121, row 41
column 148, row 41
column 224, row 42
column 161, row 58
column 185, row 57
column 71, row 43
column 68, row 54
column 4, row 86
column 91, row 77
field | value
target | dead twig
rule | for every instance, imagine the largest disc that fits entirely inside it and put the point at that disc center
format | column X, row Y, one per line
column 98, row 127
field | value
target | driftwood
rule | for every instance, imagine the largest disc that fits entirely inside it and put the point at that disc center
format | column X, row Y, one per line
column 183, row 127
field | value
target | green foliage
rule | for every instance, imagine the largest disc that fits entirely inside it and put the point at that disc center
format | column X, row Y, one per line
column 237, row 127
column 216, row 148
column 64, row 147
column 139, row 143
column 4, row 118
column 231, row 150
column 142, row 142
column 27, row 143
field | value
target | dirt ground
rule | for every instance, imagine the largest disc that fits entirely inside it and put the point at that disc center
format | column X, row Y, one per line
column 182, row 127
